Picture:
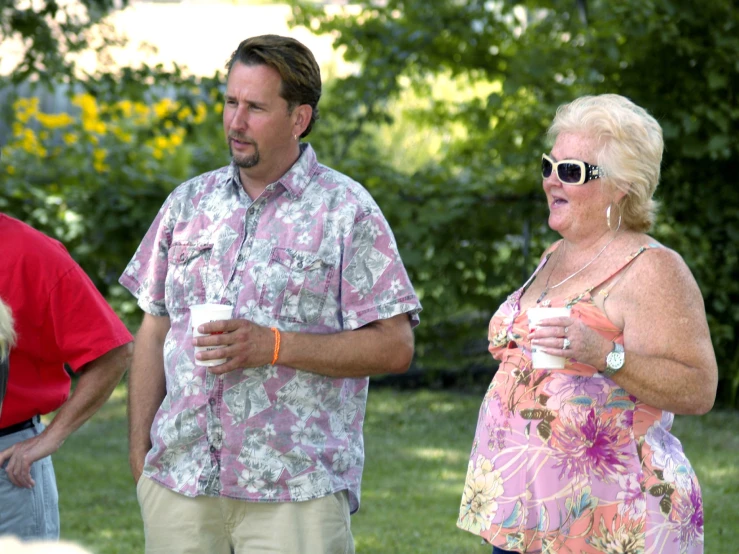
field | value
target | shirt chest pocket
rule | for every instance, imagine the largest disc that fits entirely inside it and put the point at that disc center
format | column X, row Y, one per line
column 187, row 275
column 295, row 285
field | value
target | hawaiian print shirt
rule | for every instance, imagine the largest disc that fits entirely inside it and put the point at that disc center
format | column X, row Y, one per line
column 568, row 461
column 313, row 253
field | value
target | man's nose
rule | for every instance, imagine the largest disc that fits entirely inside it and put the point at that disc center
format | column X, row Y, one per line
column 240, row 118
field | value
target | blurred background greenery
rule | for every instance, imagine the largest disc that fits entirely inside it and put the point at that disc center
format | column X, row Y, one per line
column 441, row 116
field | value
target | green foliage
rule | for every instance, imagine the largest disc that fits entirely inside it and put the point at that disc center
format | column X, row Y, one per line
column 96, row 177
column 50, row 31
column 443, row 120
column 464, row 219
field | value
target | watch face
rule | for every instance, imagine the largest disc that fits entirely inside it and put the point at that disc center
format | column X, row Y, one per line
column 615, row 360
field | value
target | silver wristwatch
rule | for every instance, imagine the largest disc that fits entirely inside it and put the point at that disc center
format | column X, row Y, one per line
column 614, row 360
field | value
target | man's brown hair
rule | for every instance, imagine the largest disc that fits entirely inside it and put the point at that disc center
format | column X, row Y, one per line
column 301, row 76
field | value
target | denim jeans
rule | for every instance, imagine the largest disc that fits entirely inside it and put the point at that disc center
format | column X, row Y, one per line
column 29, row 513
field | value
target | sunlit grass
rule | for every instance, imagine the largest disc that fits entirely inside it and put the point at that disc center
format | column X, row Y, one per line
column 417, row 446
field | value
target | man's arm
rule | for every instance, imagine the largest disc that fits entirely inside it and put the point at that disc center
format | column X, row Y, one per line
column 97, row 380
column 383, row 346
column 146, row 388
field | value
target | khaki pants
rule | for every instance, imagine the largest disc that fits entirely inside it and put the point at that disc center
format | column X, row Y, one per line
column 178, row 524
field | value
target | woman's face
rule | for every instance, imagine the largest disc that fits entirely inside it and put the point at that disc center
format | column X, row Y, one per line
column 576, row 211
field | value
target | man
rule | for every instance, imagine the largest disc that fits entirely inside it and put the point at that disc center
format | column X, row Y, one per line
column 59, row 317
column 263, row 453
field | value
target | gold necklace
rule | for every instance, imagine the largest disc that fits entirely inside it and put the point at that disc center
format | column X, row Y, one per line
column 547, row 288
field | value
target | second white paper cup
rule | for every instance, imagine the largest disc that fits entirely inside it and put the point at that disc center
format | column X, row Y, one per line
column 542, row 360
column 205, row 313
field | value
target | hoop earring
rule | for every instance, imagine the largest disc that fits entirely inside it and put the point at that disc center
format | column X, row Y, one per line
column 608, row 216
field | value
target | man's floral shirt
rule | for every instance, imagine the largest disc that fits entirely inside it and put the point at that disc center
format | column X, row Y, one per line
column 314, row 254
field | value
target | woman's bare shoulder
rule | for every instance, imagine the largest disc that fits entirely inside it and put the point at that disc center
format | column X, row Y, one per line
column 662, row 272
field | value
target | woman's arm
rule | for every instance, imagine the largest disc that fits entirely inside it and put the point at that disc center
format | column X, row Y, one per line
column 669, row 359
column 670, row 362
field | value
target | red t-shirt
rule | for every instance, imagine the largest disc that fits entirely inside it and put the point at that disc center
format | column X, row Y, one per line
column 59, row 317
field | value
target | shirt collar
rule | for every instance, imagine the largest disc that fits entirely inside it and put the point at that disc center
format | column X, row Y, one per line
column 296, row 179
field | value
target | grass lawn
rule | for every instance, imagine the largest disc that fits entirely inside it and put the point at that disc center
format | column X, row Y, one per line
column 417, row 446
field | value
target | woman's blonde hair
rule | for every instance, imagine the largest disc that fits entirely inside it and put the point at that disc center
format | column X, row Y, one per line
column 7, row 335
column 630, row 147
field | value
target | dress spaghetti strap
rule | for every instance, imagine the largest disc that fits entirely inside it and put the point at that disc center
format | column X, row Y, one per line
column 605, row 291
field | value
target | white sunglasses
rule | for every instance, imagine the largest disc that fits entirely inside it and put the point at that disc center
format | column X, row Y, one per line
column 570, row 172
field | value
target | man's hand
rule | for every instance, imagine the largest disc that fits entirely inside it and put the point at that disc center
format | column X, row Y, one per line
column 243, row 343
column 21, row 455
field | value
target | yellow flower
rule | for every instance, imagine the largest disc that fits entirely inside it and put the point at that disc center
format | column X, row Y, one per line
column 141, row 112
column 184, row 113
column 29, row 142
column 99, row 155
column 94, row 126
column 158, row 154
column 87, row 104
column 25, row 108
column 175, row 140
column 161, row 143
column 70, row 138
column 54, row 121
column 201, row 110
column 10, row 169
column 125, row 107
column 164, row 107
column 168, row 125
column 218, row 108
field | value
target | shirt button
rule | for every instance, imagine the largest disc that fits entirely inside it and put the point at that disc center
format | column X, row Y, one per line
column 182, row 257
column 300, row 264
column 212, row 401
column 212, row 448
column 251, row 211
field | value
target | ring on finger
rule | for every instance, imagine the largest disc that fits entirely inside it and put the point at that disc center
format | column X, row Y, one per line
column 565, row 343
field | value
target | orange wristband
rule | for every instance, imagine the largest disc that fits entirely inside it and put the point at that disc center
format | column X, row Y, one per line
column 276, row 353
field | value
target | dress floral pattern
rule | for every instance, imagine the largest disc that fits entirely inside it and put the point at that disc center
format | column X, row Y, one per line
column 566, row 461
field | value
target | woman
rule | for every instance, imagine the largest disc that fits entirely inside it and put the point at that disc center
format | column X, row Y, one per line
column 581, row 459
column 7, row 339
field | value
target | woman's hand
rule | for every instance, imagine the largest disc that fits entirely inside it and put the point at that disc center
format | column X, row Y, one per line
column 571, row 338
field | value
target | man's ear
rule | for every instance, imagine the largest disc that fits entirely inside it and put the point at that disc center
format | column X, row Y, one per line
column 301, row 117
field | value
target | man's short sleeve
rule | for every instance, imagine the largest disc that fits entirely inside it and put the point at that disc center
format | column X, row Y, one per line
column 374, row 281
column 81, row 325
column 146, row 273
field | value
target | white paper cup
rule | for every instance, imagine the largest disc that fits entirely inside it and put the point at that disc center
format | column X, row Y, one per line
column 542, row 360
column 205, row 313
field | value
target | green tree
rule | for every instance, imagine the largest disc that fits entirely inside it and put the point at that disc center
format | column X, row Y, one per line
column 466, row 217
column 52, row 32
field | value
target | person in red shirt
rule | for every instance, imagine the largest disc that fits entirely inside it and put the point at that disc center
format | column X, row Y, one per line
column 59, row 318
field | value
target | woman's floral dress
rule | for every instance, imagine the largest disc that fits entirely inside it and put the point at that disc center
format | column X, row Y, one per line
column 566, row 461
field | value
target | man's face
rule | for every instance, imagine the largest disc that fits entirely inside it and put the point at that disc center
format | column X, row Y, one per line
column 258, row 127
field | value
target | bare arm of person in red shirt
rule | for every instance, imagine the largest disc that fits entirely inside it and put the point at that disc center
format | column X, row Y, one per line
column 382, row 346
column 97, row 380
column 146, row 388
